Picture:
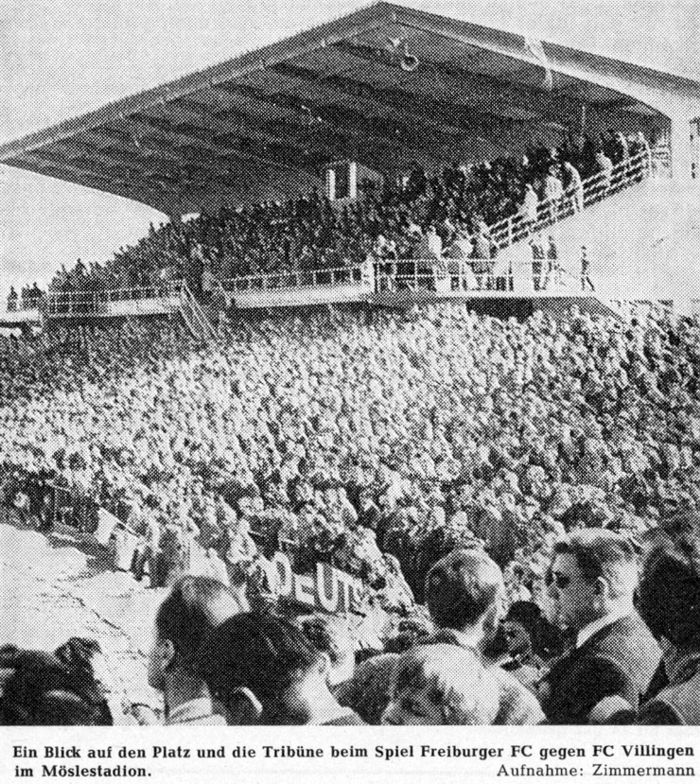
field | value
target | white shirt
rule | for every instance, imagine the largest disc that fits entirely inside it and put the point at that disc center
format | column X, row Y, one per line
column 198, row 711
column 595, row 626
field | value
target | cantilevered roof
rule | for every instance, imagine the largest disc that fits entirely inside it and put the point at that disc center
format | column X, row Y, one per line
column 269, row 120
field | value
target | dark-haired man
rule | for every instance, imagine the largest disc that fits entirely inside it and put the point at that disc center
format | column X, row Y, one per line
column 194, row 606
column 592, row 583
column 263, row 670
column 669, row 602
column 331, row 637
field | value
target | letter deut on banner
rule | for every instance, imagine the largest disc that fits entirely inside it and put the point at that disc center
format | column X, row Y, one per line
column 328, row 589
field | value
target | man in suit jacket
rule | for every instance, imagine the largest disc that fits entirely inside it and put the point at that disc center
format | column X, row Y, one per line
column 593, row 579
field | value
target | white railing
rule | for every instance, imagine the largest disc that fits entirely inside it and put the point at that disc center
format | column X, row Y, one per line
column 337, row 276
column 503, row 234
column 25, row 304
column 103, row 302
column 457, row 276
column 593, row 189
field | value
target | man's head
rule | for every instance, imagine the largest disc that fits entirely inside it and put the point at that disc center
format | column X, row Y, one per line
column 263, row 670
column 194, row 606
column 59, row 688
column 593, row 574
column 669, row 588
column 465, row 591
column 331, row 637
column 441, row 684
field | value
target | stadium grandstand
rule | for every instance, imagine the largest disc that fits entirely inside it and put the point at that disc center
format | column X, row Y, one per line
column 344, row 112
column 390, row 365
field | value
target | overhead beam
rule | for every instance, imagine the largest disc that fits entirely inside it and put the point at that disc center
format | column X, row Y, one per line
column 483, row 89
column 360, row 131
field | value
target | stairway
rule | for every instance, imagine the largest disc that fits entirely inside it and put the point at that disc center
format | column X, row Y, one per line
column 194, row 317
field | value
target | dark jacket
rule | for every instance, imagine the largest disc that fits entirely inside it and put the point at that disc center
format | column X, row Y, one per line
column 620, row 659
column 677, row 703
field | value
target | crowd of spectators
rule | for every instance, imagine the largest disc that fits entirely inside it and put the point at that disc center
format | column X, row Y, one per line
column 630, row 620
column 29, row 298
column 357, row 434
column 377, row 441
column 419, row 215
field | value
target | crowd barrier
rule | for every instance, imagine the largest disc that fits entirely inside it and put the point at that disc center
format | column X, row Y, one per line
column 113, row 302
column 338, row 276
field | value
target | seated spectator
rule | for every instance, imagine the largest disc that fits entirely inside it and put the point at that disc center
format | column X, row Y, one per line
column 194, row 606
column 441, row 684
column 263, row 670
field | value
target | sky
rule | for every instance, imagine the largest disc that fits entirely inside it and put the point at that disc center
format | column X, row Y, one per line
column 61, row 58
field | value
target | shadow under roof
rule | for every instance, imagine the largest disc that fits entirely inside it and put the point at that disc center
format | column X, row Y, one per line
column 267, row 122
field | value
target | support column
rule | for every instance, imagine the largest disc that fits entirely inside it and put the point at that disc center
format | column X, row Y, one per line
column 681, row 146
column 352, row 180
column 330, row 183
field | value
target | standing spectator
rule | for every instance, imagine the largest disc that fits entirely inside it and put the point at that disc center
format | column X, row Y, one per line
column 553, row 273
column 531, row 641
column 331, row 637
column 441, row 685
column 603, row 167
column 430, row 246
column 465, row 596
column 639, row 146
column 264, row 671
column 622, row 154
column 12, row 300
column 573, row 185
column 148, row 526
column 194, row 606
column 537, row 252
column 553, row 194
column 669, row 603
column 592, row 584
column 481, row 260
column 528, row 210
column 57, row 689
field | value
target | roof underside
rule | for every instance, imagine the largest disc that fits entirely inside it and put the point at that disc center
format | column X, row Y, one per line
column 268, row 121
